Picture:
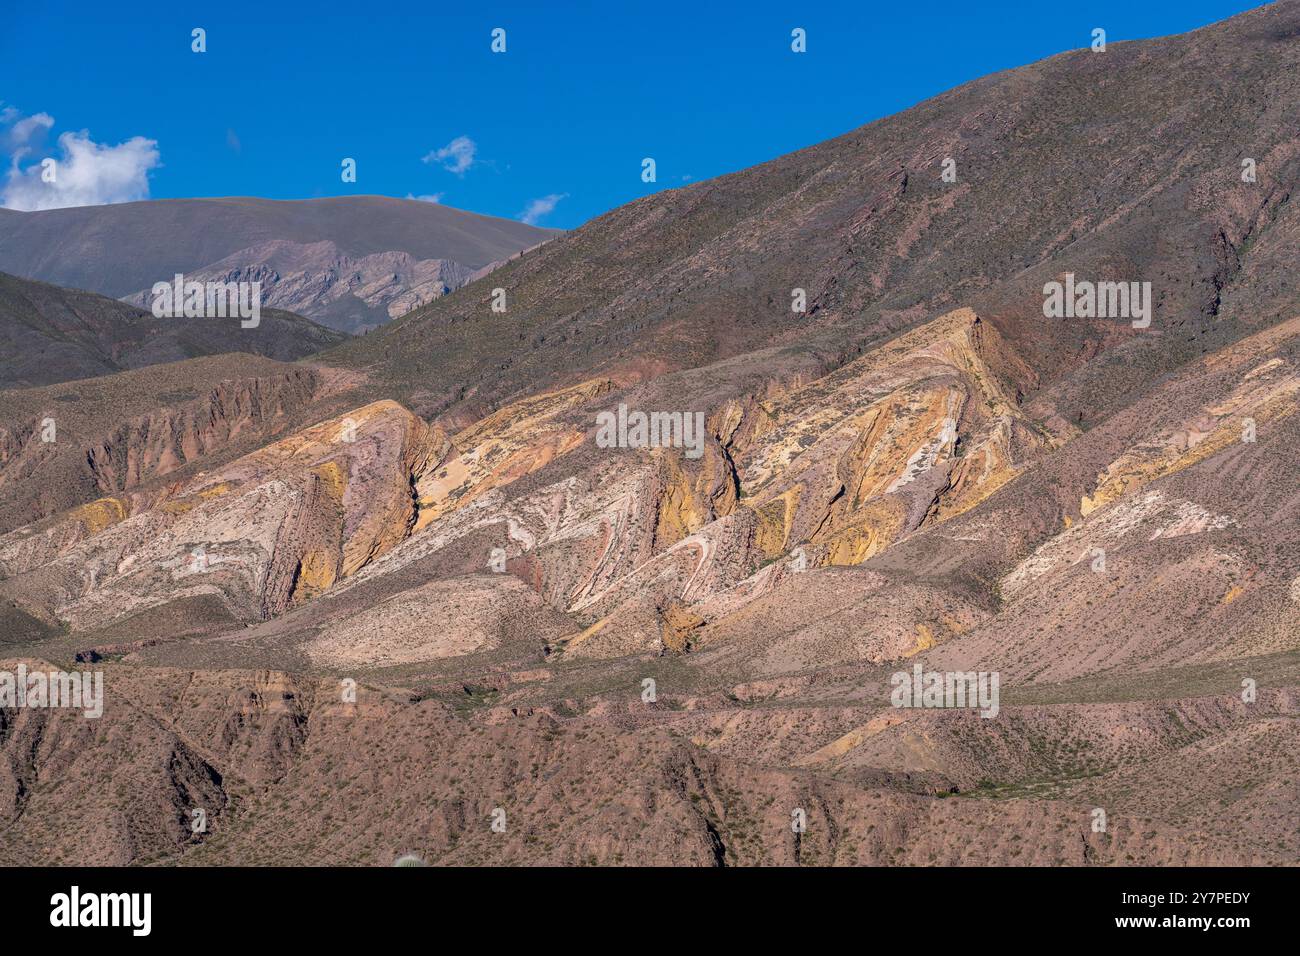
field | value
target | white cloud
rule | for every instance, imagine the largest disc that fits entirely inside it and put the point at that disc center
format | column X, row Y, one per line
column 24, row 130
column 86, row 173
column 537, row 208
column 456, row 157
column 434, row 198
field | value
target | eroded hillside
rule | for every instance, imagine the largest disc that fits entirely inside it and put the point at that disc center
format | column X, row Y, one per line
column 639, row 560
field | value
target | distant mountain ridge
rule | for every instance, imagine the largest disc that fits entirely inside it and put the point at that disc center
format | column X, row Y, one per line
column 50, row 334
column 921, row 470
column 327, row 259
column 352, row 294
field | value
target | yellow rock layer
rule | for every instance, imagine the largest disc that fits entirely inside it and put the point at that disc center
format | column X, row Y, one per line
column 675, row 625
column 503, row 447
column 529, row 411
column 864, row 533
column 679, row 512
column 924, row 641
column 102, row 513
column 1214, row 431
column 315, row 574
column 854, row 738
column 772, row 533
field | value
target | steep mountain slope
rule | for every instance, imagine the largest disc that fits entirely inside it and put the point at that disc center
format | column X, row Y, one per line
column 65, row 445
column 921, row 471
column 49, row 334
column 322, row 258
column 274, row 528
column 1122, row 165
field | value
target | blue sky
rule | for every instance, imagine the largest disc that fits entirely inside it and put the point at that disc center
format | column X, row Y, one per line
column 583, row 92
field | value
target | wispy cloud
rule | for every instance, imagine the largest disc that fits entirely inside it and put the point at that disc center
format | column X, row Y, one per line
column 22, row 130
column 456, row 157
column 85, row 173
column 537, row 208
column 232, row 140
column 434, row 198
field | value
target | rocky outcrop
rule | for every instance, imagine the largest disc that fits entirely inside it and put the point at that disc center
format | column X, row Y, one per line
column 56, row 457
column 264, row 533
column 351, row 294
